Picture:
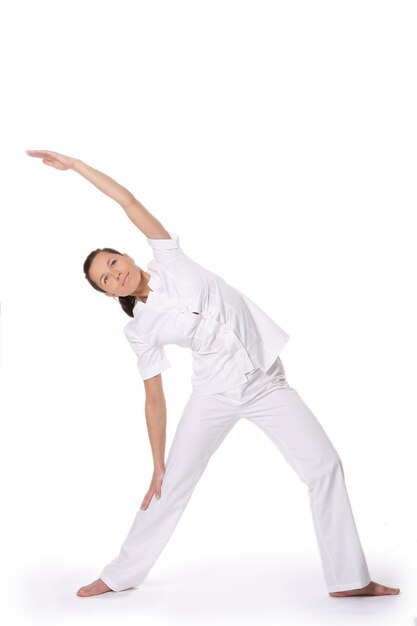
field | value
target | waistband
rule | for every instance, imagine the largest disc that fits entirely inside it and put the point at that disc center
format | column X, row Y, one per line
column 257, row 382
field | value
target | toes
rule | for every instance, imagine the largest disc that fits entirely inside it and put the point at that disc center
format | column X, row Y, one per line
column 385, row 591
column 93, row 589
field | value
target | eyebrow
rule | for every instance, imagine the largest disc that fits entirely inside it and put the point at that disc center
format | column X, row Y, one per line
column 108, row 261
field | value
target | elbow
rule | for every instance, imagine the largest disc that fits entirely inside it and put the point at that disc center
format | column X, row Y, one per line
column 155, row 401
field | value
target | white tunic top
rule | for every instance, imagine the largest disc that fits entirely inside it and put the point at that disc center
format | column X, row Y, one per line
column 192, row 307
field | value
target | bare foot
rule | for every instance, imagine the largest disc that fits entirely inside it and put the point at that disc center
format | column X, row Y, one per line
column 94, row 589
column 373, row 589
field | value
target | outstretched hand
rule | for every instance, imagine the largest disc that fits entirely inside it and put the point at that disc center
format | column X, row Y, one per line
column 54, row 159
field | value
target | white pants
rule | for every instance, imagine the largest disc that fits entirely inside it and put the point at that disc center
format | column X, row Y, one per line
column 270, row 403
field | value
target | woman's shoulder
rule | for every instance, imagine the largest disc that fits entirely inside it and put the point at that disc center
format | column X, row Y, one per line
column 165, row 250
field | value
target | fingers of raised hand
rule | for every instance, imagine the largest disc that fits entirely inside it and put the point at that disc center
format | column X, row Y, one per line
column 42, row 154
column 59, row 161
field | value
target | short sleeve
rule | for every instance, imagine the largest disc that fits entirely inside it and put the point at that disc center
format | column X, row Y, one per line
column 165, row 250
column 151, row 359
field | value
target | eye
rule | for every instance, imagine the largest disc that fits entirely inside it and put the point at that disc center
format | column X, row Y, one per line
column 111, row 265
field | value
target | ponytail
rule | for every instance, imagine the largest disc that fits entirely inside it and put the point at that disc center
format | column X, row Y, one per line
column 127, row 303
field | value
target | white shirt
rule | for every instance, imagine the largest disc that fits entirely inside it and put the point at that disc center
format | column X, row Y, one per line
column 192, row 307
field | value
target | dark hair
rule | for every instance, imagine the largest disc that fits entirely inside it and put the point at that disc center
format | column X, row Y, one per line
column 126, row 302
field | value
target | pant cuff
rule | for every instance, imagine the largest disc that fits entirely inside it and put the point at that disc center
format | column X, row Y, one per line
column 348, row 586
column 110, row 583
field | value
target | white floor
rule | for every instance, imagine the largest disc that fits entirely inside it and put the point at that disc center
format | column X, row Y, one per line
column 232, row 577
column 217, row 591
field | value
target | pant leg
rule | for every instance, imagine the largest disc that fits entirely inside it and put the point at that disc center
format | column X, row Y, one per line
column 204, row 424
column 284, row 417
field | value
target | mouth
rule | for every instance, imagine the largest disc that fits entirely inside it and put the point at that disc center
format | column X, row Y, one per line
column 125, row 279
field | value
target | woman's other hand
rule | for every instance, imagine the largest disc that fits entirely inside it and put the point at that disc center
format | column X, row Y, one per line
column 56, row 160
column 154, row 488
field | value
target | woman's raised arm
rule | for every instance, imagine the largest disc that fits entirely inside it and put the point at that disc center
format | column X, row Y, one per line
column 136, row 212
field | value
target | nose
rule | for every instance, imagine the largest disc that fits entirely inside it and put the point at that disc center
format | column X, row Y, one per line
column 116, row 275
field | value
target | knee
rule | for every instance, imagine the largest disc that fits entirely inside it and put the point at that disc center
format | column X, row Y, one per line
column 335, row 463
column 328, row 465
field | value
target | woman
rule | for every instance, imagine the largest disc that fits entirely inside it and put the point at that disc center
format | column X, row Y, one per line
column 237, row 372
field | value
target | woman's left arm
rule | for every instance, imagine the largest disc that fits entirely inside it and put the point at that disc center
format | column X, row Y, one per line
column 136, row 212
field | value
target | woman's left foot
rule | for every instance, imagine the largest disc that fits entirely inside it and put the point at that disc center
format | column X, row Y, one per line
column 373, row 589
column 94, row 589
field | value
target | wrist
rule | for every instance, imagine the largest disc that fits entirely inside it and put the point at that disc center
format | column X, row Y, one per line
column 76, row 165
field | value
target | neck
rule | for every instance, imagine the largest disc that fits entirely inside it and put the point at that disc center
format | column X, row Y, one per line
column 143, row 290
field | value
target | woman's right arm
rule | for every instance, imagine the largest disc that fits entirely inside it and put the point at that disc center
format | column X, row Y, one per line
column 155, row 411
column 136, row 212
column 156, row 420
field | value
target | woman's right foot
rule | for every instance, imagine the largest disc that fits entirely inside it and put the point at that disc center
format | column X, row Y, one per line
column 93, row 589
column 373, row 589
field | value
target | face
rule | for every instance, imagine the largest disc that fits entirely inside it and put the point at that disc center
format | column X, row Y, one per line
column 117, row 274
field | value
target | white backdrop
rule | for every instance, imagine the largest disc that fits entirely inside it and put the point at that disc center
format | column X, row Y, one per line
column 279, row 141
